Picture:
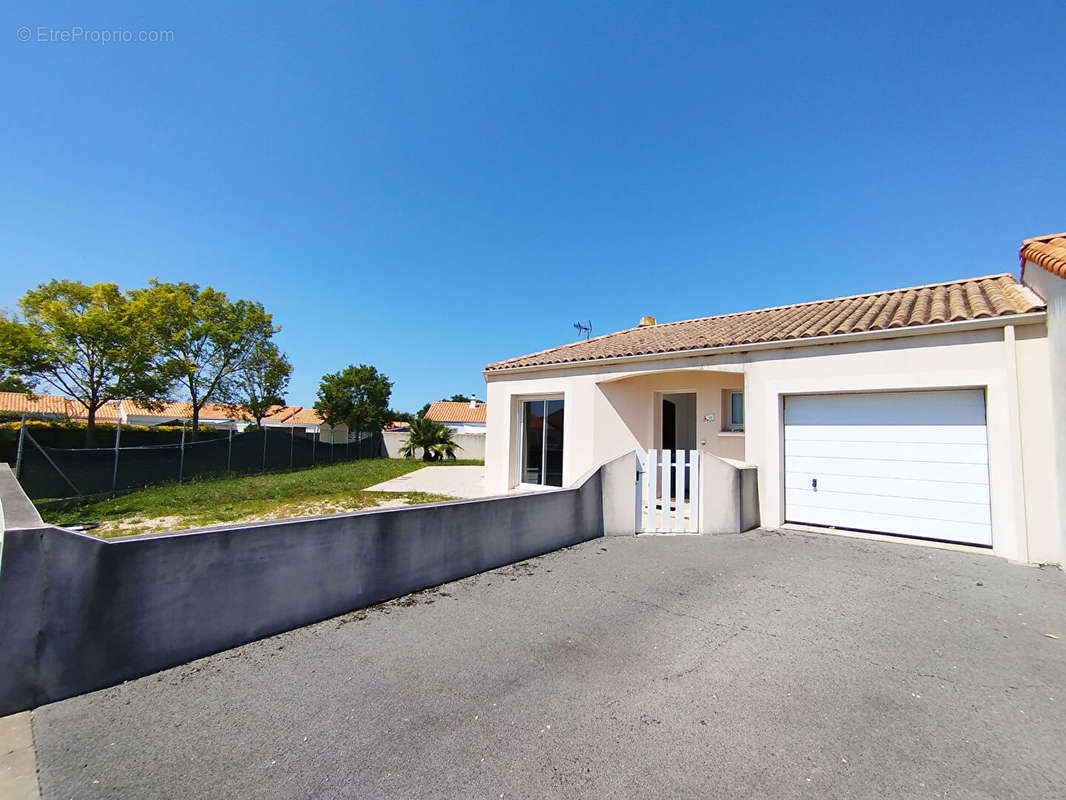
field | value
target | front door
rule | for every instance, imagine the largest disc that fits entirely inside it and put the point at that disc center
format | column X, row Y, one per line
column 678, row 429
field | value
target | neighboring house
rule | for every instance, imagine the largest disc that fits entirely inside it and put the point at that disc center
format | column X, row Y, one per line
column 42, row 406
column 47, row 406
column 305, row 421
column 212, row 415
column 468, row 417
column 297, row 419
column 924, row 412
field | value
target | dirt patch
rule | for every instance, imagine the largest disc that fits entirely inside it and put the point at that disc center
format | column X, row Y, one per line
column 137, row 525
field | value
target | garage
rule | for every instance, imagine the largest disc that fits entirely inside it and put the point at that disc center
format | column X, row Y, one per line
column 906, row 463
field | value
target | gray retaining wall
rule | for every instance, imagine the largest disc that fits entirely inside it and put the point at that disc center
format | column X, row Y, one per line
column 78, row 613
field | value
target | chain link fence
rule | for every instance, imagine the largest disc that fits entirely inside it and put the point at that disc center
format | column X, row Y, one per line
column 55, row 472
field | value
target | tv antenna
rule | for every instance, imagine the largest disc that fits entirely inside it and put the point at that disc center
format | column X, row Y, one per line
column 585, row 328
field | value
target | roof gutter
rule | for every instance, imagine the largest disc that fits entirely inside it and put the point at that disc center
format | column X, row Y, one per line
column 1029, row 318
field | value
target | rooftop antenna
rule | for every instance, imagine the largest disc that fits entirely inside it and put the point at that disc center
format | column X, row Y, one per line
column 585, row 328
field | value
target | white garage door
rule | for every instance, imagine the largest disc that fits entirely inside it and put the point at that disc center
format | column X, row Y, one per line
column 909, row 463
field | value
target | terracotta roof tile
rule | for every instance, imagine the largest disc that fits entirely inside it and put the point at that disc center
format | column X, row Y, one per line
column 306, row 416
column 1048, row 252
column 21, row 403
column 108, row 412
column 973, row 298
column 447, row 411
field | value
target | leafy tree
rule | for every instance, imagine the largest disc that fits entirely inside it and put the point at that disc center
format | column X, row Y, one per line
column 457, row 398
column 206, row 341
column 356, row 396
column 10, row 382
column 87, row 342
column 422, row 411
column 435, row 441
column 401, row 416
column 263, row 381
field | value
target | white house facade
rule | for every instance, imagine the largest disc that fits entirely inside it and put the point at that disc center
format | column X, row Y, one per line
column 927, row 413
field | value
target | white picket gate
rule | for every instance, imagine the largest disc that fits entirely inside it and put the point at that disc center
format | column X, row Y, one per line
column 669, row 492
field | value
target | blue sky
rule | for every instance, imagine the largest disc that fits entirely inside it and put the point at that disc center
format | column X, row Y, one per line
column 431, row 187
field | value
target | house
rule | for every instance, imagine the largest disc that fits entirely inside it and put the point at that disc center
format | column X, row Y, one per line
column 468, row 417
column 40, row 406
column 305, row 422
column 926, row 412
column 212, row 415
column 57, row 407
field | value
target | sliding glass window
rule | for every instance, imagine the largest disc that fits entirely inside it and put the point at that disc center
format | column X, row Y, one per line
column 542, row 442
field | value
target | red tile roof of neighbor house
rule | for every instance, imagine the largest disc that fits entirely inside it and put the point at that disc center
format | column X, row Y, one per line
column 108, row 412
column 58, row 406
column 21, row 403
column 1048, row 252
column 970, row 299
column 293, row 415
column 447, row 411
column 183, row 410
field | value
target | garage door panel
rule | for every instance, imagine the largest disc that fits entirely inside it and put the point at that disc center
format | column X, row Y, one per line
column 913, row 434
column 870, row 468
column 937, row 407
column 911, row 463
column 915, row 489
column 921, row 527
column 893, row 451
column 976, row 513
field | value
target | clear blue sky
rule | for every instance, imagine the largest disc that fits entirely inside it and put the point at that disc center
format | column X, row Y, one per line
column 430, row 187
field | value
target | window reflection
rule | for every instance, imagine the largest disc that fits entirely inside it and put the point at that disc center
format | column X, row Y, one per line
column 542, row 442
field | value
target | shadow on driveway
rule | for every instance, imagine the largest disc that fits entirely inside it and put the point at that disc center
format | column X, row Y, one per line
column 760, row 665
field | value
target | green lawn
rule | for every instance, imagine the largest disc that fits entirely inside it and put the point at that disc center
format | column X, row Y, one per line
column 323, row 490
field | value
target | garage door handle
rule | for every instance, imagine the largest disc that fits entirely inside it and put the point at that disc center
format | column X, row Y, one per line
column 814, row 484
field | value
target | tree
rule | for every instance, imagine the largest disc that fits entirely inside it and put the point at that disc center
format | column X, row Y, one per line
column 435, row 441
column 206, row 341
column 422, row 411
column 263, row 381
column 456, row 398
column 87, row 342
column 356, row 396
column 10, row 382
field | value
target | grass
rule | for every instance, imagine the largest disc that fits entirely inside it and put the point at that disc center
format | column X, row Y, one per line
column 323, row 490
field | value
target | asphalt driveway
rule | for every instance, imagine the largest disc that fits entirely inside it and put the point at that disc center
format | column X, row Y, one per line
column 760, row 665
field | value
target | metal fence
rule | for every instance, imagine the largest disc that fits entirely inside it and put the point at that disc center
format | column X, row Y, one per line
column 54, row 472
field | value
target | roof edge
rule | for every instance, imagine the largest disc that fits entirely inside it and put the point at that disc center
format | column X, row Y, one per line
column 494, row 366
column 1026, row 318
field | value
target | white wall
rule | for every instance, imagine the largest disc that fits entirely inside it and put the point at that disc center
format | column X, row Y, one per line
column 1053, row 289
column 472, row 444
column 465, row 427
column 607, row 415
column 611, row 409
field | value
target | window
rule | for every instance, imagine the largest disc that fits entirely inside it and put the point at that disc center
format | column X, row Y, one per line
column 542, row 442
column 736, row 411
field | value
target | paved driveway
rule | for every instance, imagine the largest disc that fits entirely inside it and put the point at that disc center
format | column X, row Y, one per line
column 454, row 481
column 761, row 665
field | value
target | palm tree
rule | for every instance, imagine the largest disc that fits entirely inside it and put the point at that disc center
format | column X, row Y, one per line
column 434, row 439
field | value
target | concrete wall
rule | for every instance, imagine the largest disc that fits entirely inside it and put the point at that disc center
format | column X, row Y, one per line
column 472, row 444
column 730, row 496
column 80, row 613
column 612, row 408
